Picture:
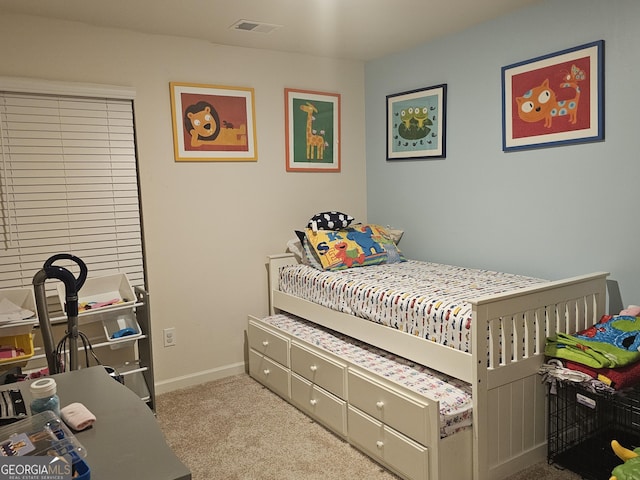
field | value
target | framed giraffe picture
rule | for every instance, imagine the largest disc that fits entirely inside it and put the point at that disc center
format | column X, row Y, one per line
column 416, row 123
column 312, row 131
column 213, row 123
column 556, row 99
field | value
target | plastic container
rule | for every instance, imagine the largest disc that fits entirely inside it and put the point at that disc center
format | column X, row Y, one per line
column 120, row 327
column 100, row 293
column 18, row 316
column 21, row 344
column 44, row 396
column 81, row 470
column 41, row 434
column 23, row 318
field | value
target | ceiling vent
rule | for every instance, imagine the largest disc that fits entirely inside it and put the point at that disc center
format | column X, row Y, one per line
column 251, row 26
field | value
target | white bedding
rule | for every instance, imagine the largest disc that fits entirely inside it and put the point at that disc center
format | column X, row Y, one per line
column 454, row 395
column 425, row 299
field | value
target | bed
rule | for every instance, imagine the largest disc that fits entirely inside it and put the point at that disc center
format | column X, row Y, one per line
column 501, row 348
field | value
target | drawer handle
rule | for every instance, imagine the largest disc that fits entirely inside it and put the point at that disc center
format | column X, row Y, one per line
column 313, row 368
column 379, row 405
column 265, row 343
column 266, row 371
column 379, row 444
column 313, row 402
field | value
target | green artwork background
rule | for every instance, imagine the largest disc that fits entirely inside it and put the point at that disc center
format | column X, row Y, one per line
column 322, row 122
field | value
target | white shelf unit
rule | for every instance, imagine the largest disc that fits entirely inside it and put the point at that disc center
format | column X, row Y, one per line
column 131, row 357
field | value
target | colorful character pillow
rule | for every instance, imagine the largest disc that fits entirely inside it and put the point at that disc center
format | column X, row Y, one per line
column 354, row 246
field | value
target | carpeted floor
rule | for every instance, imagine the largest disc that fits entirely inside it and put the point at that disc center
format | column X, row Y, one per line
column 235, row 429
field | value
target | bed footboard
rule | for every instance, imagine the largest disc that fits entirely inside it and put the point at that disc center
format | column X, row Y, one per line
column 509, row 335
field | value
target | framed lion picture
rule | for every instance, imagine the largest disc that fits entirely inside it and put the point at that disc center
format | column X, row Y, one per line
column 213, row 123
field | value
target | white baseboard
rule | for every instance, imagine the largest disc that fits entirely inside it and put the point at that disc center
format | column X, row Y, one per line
column 197, row 378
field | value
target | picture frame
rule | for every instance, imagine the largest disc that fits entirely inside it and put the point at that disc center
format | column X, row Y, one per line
column 556, row 99
column 416, row 123
column 213, row 123
column 312, row 131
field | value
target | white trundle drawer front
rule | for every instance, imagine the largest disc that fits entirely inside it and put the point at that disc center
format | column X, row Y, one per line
column 269, row 343
column 384, row 444
column 390, row 407
column 327, row 408
column 319, row 369
column 269, row 373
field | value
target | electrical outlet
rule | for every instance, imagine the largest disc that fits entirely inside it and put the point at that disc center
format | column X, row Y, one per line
column 169, row 337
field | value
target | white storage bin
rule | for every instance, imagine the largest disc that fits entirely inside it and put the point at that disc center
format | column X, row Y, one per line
column 15, row 324
column 135, row 381
column 118, row 322
column 100, row 293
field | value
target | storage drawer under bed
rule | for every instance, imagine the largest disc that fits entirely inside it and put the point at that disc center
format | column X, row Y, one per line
column 319, row 369
column 390, row 407
column 269, row 373
column 321, row 405
column 388, row 446
column 269, row 343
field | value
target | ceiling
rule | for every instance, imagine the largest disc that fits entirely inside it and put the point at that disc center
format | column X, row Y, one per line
column 350, row 29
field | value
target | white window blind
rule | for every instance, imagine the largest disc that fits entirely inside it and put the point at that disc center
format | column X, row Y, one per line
column 68, row 183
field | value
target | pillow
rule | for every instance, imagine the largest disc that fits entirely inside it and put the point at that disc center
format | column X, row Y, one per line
column 308, row 255
column 329, row 221
column 394, row 255
column 295, row 246
column 396, row 234
column 356, row 246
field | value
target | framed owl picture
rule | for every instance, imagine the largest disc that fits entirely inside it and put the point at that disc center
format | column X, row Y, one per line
column 555, row 99
column 416, row 123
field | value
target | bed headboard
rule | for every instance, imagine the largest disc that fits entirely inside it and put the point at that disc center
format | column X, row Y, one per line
column 275, row 263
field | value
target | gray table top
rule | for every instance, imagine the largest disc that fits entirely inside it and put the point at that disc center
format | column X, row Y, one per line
column 126, row 441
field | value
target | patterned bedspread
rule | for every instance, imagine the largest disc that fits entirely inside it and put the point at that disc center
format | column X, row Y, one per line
column 453, row 395
column 426, row 299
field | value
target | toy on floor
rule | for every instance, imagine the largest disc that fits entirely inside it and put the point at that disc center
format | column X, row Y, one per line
column 630, row 469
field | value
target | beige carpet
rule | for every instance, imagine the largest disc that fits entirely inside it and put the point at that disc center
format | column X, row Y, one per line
column 235, row 429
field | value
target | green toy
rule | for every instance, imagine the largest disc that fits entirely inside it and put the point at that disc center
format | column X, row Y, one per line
column 630, row 469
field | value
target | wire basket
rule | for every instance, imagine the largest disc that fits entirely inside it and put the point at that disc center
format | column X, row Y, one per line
column 583, row 423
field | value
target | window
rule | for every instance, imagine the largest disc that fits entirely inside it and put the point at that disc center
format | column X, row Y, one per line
column 68, row 180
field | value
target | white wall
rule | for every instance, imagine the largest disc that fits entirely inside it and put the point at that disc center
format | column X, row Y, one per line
column 551, row 212
column 208, row 226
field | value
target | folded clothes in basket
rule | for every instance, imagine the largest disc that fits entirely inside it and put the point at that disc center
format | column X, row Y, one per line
column 612, row 342
column 617, row 378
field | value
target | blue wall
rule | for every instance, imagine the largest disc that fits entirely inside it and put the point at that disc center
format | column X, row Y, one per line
column 552, row 212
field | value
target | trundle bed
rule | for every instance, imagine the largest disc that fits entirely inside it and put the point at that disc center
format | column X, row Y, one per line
column 365, row 378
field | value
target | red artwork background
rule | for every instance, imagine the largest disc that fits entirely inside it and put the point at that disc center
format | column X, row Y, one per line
column 556, row 74
column 232, row 110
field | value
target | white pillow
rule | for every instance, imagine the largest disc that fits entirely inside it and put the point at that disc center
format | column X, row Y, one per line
column 294, row 246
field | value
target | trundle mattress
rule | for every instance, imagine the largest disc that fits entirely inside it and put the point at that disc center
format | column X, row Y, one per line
column 453, row 394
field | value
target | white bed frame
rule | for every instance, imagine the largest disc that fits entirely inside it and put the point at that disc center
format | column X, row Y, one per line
column 509, row 400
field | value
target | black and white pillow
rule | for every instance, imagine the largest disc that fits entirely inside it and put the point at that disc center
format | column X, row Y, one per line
column 329, row 221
